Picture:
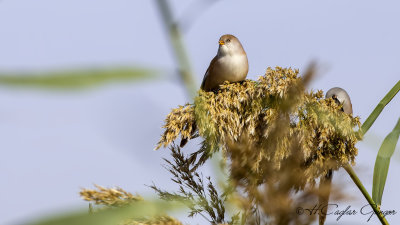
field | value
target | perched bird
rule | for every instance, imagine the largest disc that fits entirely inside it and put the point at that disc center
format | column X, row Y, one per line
column 341, row 98
column 230, row 64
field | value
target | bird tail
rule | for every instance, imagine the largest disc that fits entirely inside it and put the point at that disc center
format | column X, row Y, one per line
column 324, row 192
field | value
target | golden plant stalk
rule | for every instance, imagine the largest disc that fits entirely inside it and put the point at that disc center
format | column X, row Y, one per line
column 159, row 220
column 117, row 197
column 109, row 196
column 257, row 110
column 270, row 130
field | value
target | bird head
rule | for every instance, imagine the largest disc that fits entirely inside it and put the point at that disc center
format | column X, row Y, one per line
column 341, row 97
column 229, row 45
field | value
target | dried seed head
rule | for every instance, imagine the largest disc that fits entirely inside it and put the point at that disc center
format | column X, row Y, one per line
column 276, row 118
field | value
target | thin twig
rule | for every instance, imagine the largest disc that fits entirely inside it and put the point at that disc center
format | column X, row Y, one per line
column 360, row 186
column 90, row 208
column 175, row 35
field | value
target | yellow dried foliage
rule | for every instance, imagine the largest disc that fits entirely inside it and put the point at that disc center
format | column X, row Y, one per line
column 179, row 121
column 109, row 196
column 159, row 220
column 276, row 119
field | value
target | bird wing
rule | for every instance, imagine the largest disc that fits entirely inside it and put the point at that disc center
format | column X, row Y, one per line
column 208, row 72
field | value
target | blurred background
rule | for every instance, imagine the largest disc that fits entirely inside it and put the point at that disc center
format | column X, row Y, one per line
column 56, row 140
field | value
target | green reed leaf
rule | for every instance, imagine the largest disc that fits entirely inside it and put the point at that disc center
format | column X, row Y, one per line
column 382, row 163
column 113, row 216
column 378, row 109
column 76, row 79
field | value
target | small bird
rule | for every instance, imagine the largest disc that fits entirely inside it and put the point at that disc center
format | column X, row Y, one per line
column 341, row 98
column 230, row 64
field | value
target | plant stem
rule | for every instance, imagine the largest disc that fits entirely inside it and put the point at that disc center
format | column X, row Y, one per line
column 175, row 35
column 360, row 186
column 90, row 208
column 378, row 109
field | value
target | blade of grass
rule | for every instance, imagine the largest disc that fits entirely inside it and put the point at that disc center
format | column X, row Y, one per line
column 378, row 109
column 139, row 210
column 76, row 79
column 382, row 163
column 374, row 141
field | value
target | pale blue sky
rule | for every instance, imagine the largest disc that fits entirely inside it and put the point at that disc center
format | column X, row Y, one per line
column 56, row 142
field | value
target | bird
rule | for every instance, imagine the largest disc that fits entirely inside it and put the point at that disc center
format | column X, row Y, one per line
column 230, row 64
column 341, row 98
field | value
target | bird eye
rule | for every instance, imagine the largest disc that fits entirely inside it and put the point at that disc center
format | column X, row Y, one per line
column 228, row 40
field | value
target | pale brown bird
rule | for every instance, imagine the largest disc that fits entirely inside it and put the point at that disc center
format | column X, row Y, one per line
column 230, row 64
column 341, row 98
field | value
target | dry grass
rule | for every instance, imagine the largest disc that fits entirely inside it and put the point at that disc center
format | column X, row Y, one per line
column 278, row 140
column 277, row 137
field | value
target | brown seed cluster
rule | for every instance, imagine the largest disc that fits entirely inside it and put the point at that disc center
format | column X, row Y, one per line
column 179, row 121
column 276, row 118
column 278, row 139
column 159, row 220
column 109, row 196
column 117, row 197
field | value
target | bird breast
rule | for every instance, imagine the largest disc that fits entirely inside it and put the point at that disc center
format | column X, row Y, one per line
column 232, row 68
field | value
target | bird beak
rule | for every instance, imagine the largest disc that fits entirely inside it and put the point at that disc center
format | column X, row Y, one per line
column 221, row 42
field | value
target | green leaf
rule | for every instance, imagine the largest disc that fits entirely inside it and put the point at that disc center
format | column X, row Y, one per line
column 76, row 79
column 373, row 141
column 115, row 216
column 378, row 109
column 382, row 163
